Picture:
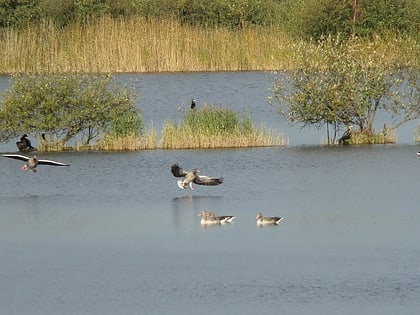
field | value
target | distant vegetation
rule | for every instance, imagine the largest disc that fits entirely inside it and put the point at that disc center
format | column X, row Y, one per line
column 307, row 18
column 44, row 36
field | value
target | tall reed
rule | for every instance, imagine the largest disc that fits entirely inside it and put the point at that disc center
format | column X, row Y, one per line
column 211, row 127
column 133, row 142
column 139, row 45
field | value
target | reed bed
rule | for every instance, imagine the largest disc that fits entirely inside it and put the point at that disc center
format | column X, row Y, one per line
column 380, row 138
column 147, row 141
column 139, row 45
column 179, row 139
column 212, row 127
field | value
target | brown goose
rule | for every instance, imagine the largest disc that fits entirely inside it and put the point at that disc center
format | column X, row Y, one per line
column 33, row 162
column 267, row 220
column 190, row 177
column 207, row 219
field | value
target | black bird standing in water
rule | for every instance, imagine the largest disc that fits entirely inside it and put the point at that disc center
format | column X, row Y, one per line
column 24, row 145
column 192, row 103
column 346, row 135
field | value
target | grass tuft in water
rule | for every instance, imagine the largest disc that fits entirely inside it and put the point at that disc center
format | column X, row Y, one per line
column 211, row 127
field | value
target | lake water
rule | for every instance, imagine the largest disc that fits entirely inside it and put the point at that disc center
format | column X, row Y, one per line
column 113, row 234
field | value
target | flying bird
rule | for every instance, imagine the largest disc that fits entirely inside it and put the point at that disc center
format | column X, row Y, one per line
column 267, row 220
column 31, row 163
column 190, row 177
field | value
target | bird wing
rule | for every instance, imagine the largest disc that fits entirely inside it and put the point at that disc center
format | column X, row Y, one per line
column 50, row 162
column 178, row 171
column 16, row 156
column 208, row 181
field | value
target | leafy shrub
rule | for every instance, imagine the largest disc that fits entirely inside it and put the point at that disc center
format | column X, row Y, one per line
column 67, row 107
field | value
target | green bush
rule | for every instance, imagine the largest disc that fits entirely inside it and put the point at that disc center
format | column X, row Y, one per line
column 67, row 107
column 377, row 16
column 314, row 19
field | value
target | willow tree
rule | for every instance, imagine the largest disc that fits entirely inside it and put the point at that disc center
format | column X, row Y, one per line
column 65, row 107
column 350, row 88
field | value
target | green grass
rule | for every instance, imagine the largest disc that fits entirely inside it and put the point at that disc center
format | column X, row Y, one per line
column 211, row 127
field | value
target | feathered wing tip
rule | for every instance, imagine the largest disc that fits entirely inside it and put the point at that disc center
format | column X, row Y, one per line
column 177, row 171
column 50, row 162
column 278, row 219
column 180, row 184
column 16, row 157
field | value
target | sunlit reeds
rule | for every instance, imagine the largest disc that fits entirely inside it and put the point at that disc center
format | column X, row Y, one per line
column 379, row 138
column 147, row 141
column 212, row 127
column 140, row 45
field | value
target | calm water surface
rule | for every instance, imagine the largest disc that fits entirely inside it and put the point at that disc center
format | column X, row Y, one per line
column 113, row 234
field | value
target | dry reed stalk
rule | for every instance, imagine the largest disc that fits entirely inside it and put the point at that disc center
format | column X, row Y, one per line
column 173, row 138
column 140, row 45
column 148, row 141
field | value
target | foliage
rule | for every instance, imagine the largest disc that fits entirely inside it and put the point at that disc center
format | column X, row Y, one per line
column 67, row 107
column 130, row 123
column 303, row 18
column 234, row 14
column 318, row 18
column 376, row 16
column 351, row 89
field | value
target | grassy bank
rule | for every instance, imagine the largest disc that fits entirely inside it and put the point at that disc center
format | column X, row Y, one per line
column 139, row 45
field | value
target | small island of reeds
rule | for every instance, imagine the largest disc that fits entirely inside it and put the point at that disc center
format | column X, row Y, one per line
column 212, row 127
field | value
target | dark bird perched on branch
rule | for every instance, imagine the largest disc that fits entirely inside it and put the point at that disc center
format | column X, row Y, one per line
column 24, row 145
column 190, row 177
column 33, row 162
column 346, row 135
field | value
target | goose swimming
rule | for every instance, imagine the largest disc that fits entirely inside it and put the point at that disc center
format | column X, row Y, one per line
column 267, row 220
column 31, row 163
column 190, row 177
column 207, row 219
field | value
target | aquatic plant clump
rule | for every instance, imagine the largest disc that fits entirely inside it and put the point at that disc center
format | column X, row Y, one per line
column 212, row 127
